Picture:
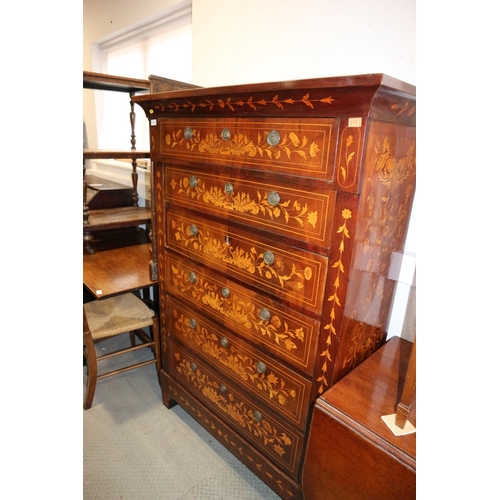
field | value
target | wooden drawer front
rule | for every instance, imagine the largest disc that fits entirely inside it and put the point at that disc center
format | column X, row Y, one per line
column 294, row 275
column 250, row 418
column 288, row 334
column 298, row 147
column 276, row 208
column 277, row 385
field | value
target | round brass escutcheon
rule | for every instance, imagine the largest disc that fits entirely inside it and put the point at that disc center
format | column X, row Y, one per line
column 224, row 342
column 268, row 257
column 261, row 367
column 226, row 292
column 223, row 388
column 257, row 416
column 273, row 198
column 193, row 181
column 273, row 138
column 192, row 277
column 226, row 134
column 264, row 314
column 193, row 230
column 192, row 323
column 228, row 188
column 193, row 367
column 188, row 133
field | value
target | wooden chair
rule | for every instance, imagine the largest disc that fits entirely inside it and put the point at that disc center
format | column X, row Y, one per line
column 113, row 316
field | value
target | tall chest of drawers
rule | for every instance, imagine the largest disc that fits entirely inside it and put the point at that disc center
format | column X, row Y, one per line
column 279, row 211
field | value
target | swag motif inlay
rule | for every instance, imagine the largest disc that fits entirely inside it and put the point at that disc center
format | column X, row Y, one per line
column 237, row 310
column 242, row 365
column 236, row 410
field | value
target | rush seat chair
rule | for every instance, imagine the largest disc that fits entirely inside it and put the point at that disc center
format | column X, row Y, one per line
column 113, row 316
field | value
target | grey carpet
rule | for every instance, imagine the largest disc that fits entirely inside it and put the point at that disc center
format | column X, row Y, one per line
column 134, row 448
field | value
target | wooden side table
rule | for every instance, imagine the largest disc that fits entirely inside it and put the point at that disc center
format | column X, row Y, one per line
column 351, row 453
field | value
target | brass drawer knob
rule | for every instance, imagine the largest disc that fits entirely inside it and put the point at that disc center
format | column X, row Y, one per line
column 273, row 138
column 192, row 277
column 273, row 198
column 228, row 188
column 193, row 230
column 257, row 416
column 226, row 292
column 224, row 342
column 192, row 323
column 193, row 367
column 223, row 388
column 269, row 257
column 225, row 134
column 261, row 367
column 227, row 241
column 188, row 133
column 264, row 314
column 193, row 181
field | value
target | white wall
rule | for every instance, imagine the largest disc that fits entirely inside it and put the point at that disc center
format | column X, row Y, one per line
column 247, row 41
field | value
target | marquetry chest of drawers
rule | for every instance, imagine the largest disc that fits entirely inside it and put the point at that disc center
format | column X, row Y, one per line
column 277, row 209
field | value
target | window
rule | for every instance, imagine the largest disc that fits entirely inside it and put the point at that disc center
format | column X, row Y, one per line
column 157, row 46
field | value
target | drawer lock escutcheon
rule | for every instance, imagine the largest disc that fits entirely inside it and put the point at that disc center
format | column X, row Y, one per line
column 228, row 188
column 193, row 181
column 193, row 230
column 192, row 323
column 224, row 342
column 192, row 277
column 193, row 367
column 223, row 388
column 226, row 292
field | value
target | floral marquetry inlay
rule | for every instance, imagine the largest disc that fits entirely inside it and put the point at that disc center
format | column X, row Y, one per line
column 241, row 312
column 244, row 203
column 282, row 272
column 234, row 408
column 243, row 365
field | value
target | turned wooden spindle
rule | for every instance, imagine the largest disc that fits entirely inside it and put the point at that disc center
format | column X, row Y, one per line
column 404, row 406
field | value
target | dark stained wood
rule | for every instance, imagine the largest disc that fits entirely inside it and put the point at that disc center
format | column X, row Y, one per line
column 277, row 209
column 351, row 453
column 112, row 154
column 100, row 81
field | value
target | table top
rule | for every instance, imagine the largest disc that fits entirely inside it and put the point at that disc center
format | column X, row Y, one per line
column 120, row 263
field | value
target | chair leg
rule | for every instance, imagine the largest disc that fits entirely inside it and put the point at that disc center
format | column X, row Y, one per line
column 91, row 358
column 132, row 337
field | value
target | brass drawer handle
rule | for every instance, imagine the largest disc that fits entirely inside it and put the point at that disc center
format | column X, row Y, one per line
column 268, row 257
column 228, row 188
column 273, row 138
column 226, row 292
column 261, row 367
column 224, row 342
column 273, row 198
column 223, row 388
column 193, row 367
column 188, row 133
column 192, row 323
column 193, row 181
column 225, row 134
column 257, row 415
column 193, row 230
column 264, row 314
column 192, row 277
